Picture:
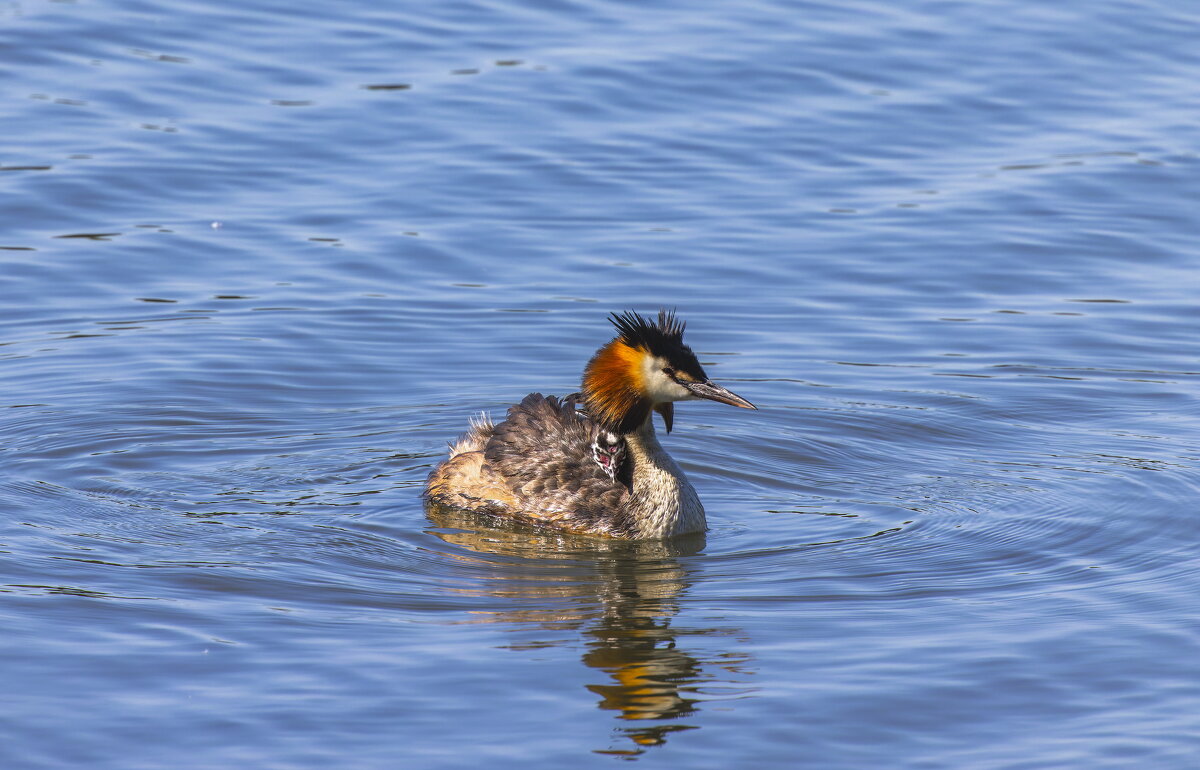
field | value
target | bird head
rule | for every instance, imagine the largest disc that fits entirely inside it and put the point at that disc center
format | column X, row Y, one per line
column 647, row 367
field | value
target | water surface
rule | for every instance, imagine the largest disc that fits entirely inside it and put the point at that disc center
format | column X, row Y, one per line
column 260, row 263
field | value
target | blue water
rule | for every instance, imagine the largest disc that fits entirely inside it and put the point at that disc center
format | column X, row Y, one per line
column 260, row 261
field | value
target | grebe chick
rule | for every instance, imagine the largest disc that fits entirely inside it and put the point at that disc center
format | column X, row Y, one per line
column 598, row 469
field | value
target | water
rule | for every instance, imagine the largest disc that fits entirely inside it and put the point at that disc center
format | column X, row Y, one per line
column 261, row 261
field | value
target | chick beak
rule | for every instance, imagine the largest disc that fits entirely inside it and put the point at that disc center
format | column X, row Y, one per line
column 714, row 392
column 667, row 410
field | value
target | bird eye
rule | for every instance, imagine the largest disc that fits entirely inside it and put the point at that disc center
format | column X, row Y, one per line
column 670, row 372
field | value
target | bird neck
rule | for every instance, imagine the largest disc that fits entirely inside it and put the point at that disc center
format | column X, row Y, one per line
column 662, row 501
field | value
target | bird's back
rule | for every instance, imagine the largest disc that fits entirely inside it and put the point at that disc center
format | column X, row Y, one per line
column 542, row 457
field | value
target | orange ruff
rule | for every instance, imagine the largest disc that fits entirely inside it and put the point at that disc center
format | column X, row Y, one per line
column 615, row 380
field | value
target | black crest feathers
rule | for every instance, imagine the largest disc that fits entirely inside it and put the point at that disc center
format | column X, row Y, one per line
column 660, row 339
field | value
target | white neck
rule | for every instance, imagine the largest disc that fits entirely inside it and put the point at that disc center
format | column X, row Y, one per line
column 663, row 503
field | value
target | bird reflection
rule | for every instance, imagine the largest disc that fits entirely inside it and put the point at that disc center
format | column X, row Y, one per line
column 634, row 588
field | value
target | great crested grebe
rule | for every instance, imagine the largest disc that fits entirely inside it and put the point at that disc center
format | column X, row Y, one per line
column 590, row 462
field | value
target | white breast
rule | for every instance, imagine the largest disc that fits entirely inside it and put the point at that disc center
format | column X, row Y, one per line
column 663, row 502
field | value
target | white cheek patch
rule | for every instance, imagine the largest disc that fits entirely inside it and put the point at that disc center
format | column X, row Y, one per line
column 659, row 387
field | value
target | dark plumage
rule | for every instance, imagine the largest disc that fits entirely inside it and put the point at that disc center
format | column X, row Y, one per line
column 544, row 451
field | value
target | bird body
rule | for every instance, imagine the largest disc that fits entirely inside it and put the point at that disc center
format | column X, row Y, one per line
column 591, row 462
